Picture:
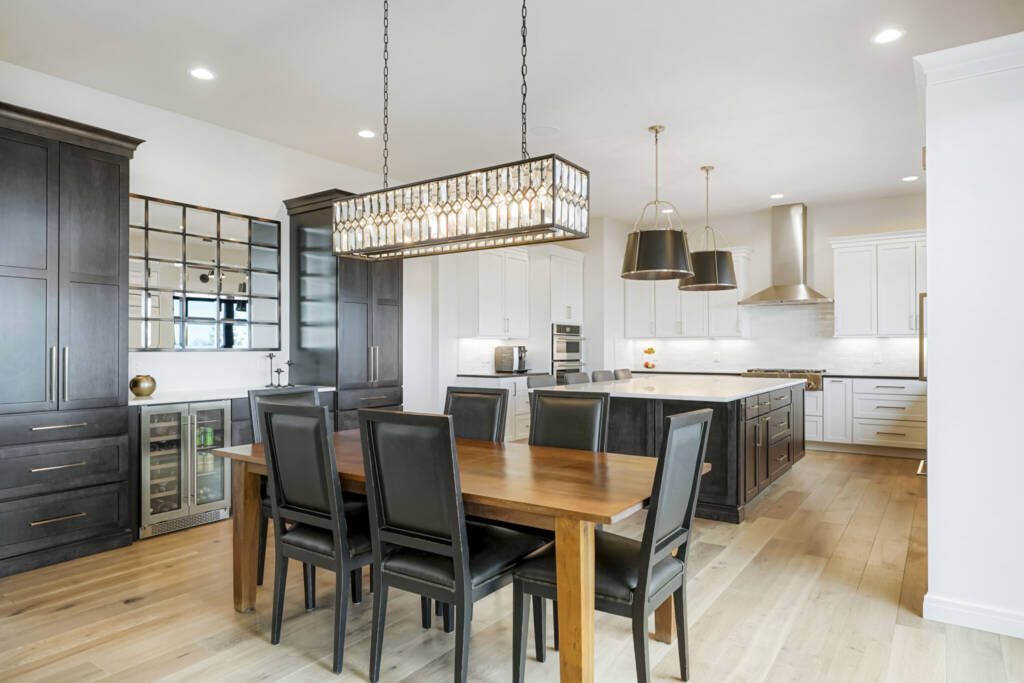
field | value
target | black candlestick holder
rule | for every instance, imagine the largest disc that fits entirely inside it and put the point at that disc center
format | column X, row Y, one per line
column 289, row 363
column 271, row 356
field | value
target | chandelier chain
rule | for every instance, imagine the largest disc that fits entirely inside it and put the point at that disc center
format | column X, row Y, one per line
column 526, row 154
column 384, row 133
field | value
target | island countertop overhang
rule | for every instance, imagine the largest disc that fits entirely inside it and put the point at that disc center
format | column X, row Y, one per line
column 705, row 388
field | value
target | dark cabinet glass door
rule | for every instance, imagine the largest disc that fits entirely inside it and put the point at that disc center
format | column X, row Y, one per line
column 28, row 271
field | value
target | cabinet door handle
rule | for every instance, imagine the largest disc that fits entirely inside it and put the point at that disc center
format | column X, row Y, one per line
column 62, row 518
column 67, row 371
column 66, row 426
column 195, row 457
column 757, row 434
column 80, row 463
column 373, row 398
column 892, row 407
column 839, row 381
column 782, row 423
column 890, row 386
column 53, row 373
column 782, row 457
column 369, row 363
column 890, row 433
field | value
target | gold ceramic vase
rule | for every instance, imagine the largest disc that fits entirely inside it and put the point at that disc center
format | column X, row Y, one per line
column 142, row 385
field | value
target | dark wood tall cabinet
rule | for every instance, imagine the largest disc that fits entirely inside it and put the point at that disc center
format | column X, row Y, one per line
column 64, row 466
column 346, row 314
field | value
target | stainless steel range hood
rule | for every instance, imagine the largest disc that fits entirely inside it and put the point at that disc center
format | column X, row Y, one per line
column 789, row 261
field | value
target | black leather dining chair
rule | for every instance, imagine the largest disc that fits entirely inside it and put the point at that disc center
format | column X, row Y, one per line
column 633, row 578
column 577, row 378
column 310, row 521
column 540, row 381
column 477, row 413
column 422, row 543
column 602, row 375
column 623, row 373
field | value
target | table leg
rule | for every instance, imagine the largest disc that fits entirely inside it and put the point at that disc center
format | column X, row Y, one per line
column 574, row 558
column 665, row 622
column 245, row 500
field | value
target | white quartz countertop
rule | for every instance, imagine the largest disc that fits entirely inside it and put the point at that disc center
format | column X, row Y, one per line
column 198, row 394
column 708, row 388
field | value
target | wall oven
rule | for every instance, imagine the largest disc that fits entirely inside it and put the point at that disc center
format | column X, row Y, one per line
column 566, row 343
column 560, row 368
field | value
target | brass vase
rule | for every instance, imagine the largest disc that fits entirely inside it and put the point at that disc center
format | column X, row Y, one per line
column 142, row 385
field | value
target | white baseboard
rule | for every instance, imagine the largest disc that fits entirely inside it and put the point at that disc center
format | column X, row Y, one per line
column 867, row 449
column 972, row 615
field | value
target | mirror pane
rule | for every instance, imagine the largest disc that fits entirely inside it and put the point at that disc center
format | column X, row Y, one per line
column 200, row 335
column 264, row 310
column 234, row 336
column 201, row 307
column 234, row 254
column 234, row 309
column 137, row 211
column 164, row 275
column 164, row 334
column 135, row 302
column 164, row 246
column 234, row 281
column 201, row 279
column 136, row 272
column 161, row 304
column 264, row 258
column 200, row 222
column 234, row 228
column 136, row 242
column 165, row 216
column 263, row 336
column 201, row 250
column 136, row 334
column 264, row 233
column 264, row 284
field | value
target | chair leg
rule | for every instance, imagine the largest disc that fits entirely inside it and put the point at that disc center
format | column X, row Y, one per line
column 446, row 617
column 520, row 626
column 309, row 585
column 679, row 598
column 357, row 585
column 640, row 651
column 425, row 611
column 540, row 618
column 380, row 607
column 262, row 556
column 438, row 608
column 554, row 620
column 372, row 581
column 280, row 579
column 341, row 589
column 463, row 619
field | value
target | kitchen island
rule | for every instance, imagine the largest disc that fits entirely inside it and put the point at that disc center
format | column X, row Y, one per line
column 757, row 430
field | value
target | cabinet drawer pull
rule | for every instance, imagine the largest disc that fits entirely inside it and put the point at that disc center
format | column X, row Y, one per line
column 782, row 457
column 892, row 407
column 67, row 426
column 64, row 518
column 890, row 433
column 372, row 398
column 80, row 463
column 783, row 423
column 890, row 386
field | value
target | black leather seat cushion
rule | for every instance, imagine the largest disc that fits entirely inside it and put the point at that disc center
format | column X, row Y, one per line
column 616, row 568
column 492, row 551
column 321, row 541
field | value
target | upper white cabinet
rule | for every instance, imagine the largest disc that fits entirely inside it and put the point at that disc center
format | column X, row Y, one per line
column 494, row 294
column 567, row 287
column 659, row 309
column 876, row 284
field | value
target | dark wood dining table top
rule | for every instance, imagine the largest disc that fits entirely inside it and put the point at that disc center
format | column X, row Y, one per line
column 538, row 480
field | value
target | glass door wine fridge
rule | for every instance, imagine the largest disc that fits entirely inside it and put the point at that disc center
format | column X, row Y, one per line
column 183, row 483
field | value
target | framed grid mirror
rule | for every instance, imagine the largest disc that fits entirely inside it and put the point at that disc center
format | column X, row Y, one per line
column 202, row 279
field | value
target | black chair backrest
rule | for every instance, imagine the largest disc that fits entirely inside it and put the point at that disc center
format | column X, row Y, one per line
column 301, row 467
column 296, row 396
column 577, row 378
column 477, row 413
column 569, row 419
column 676, row 485
column 623, row 373
column 412, row 482
column 538, row 381
column 602, row 375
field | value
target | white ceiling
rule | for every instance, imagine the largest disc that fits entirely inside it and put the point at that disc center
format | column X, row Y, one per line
column 787, row 96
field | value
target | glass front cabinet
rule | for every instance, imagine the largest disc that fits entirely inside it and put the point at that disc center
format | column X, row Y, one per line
column 183, row 483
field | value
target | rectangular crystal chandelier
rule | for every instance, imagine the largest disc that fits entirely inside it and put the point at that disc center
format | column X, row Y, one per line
column 542, row 199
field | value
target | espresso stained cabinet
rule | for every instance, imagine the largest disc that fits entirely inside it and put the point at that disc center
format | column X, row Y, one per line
column 64, row 285
column 346, row 314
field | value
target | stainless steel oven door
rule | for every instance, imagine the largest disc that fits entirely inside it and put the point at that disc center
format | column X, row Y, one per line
column 561, row 368
column 566, row 347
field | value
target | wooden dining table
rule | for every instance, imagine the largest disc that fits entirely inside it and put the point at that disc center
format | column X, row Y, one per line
column 565, row 490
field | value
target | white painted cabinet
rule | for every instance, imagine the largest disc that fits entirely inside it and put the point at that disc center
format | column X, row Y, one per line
column 855, row 298
column 567, row 288
column 877, row 280
column 668, row 309
column 638, row 303
column 694, row 314
column 837, row 410
column 494, row 294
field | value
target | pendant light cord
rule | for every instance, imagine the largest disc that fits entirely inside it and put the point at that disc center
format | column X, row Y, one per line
column 384, row 133
column 656, row 182
column 522, row 70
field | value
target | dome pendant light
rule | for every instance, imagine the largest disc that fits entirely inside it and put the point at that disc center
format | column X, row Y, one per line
column 712, row 268
column 660, row 253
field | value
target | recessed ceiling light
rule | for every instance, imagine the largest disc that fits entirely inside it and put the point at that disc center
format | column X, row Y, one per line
column 668, row 210
column 777, row 195
column 888, row 35
column 909, row 178
column 202, row 73
column 366, row 133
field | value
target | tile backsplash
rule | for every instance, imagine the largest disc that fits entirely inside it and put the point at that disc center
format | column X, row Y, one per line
column 780, row 337
column 476, row 355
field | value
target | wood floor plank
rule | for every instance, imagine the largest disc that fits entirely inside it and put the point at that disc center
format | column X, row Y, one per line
column 974, row 655
column 918, row 655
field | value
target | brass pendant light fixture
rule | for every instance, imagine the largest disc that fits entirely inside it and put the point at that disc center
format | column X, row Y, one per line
column 536, row 199
column 713, row 269
column 659, row 253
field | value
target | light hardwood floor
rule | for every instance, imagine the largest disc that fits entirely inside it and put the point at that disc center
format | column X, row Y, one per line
column 823, row 582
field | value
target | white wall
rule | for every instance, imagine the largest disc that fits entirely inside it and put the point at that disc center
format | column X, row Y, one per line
column 781, row 336
column 975, row 136
column 188, row 160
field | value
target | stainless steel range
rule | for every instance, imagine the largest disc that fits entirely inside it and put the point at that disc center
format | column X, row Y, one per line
column 813, row 377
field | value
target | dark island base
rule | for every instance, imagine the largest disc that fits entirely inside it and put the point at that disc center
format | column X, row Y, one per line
column 753, row 441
